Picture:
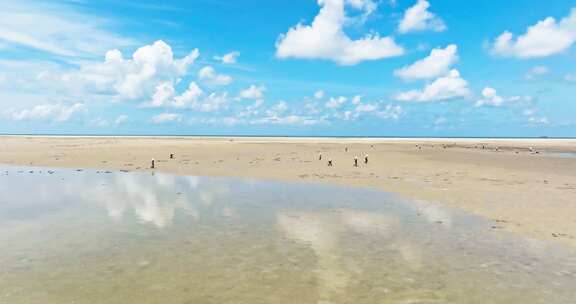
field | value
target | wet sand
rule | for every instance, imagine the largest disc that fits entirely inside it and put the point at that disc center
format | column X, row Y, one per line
column 524, row 186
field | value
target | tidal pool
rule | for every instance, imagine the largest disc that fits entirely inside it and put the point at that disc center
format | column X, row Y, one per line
column 70, row 236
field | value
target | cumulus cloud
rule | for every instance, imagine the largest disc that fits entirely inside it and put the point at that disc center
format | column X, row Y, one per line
column 393, row 112
column 366, row 108
column 490, row 98
column 325, row 37
column 165, row 96
column 57, row 112
column 436, row 64
column 229, row 58
column 124, row 79
column 253, row 92
column 319, row 94
column 209, row 76
column 357, row 99
column 280, row 107
column 418, row 18
column 193, row 98
column 376, row 109
column 444, row 88
column 166, row 118
column 547, row 37
column 149, row 64
column 289, row 120
column 336, row 102
column 214, row 102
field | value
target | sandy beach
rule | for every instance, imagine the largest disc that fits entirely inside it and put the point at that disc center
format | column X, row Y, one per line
column 524, row 186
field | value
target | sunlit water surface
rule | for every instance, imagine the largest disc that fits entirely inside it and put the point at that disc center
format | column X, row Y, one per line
column 70, row 236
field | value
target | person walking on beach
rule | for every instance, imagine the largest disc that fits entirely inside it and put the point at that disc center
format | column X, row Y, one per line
column 366, row 159
column 330, row 163
column 152, row 164
column 319, row 156
column 355, row 161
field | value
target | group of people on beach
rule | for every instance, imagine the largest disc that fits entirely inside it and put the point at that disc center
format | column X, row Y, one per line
column 331, row 163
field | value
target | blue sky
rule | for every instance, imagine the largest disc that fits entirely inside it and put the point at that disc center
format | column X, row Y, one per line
column 327, row 67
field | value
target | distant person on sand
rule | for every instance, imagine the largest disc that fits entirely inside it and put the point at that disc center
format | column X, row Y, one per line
column 319, row 156
column 152, row 163
column 355, row 161
column 329, row 163
column 171, row 155
column 366, row 159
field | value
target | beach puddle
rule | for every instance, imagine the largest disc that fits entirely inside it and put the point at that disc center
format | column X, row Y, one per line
column 562, row 154
column 70, row 236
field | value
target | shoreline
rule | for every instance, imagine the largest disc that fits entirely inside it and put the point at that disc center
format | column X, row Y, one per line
column 267, row 137
column 522, row 191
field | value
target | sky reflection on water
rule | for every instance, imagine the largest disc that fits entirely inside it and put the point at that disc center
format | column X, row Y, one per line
column 79, row 237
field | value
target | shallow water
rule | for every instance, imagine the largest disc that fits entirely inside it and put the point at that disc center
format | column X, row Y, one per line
column 79, row 237
column 562, row 154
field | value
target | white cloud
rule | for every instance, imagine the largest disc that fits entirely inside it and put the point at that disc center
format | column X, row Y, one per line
column 272, row 119
column 393, row 112
column 336, row 102
column 436, row 64
column 123, row 79
column 209, row 76
column 192, row 98
column 166, row 117
column 165, row 96
column 55, row 28
column 537, row 72
column 534, row 118
column 253, row 92
column 214, row 102
column 252, row 109
column 58, row 112
column 366, row 108
column 490, row 98
column 229, row 58
column 325, row 38
column 356, row 99
column 150, row 64
column 377, row 109
column 547, row 37
column 288, row 120
column 319, row 94
column 280, row 107
column 189, row 98
column 418, row 18
column 444, row 88
column 121, row 119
